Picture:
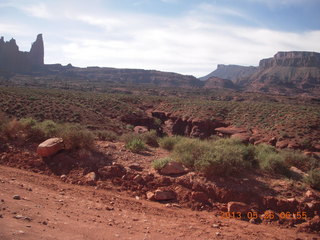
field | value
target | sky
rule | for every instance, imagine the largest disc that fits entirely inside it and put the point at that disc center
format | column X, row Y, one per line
column 184, row 36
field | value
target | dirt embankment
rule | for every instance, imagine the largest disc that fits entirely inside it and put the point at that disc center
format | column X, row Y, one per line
column 51, row 209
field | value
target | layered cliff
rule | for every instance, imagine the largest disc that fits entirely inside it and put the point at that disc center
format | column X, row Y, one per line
column 287, row 72
column 14, row 60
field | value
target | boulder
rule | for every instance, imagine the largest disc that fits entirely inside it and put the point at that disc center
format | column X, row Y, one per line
column 199, row 197
column 163, row 195
column 241, row 207
column 113, row 171
column 50, row 147
column 172, row 168
column 140, row 129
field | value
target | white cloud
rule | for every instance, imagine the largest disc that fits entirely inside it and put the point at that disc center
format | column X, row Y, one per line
column 193, row 43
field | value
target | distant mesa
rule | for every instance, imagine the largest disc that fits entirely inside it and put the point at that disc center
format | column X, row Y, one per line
column 292, row 59
column 14, row 60
column 231, row 72
column 292, row 72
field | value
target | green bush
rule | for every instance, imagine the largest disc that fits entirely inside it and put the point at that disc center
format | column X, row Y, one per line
column 313, row 179
column 48, row 127
column 299, row 160
column 270, row 160
column 135, row 145
column 168, row 143
column 106, row 135
column 150, row 138
column 189, row 151
column 128, row 137
column 226, row 157
column 75, row 136
column 12, row 128
column 160, row 163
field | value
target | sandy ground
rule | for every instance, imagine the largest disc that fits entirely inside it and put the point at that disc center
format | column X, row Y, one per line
column 51, row 209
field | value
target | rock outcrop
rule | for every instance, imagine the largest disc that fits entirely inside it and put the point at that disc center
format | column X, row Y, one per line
column 285, row 73
column 192, row 127
column 231, row 72
column 292, row 59
column 14, row 60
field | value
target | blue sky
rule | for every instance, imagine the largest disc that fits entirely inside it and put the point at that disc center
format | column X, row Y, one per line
column 184, row 36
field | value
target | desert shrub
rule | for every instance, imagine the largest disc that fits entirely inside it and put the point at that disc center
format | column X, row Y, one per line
column 128, row 137
column 299, row 160
column 168, row 143
column 75, row 136
column 226, row 157
column 3, row 124
column 28, row 122
column 129, row 127
column 160, row 163
column 157, row 122
column 189, row 151
column 313, row 179
column 150, row 138
column 135, row 145
column 107, row 135
column 11, row 129
column 48, row 128
column 270, row 160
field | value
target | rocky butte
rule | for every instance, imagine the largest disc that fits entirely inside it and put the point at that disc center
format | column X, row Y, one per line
column 14, row 60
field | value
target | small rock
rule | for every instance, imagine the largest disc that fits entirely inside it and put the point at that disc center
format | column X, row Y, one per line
column 150, row 196
column 136, row 166
column 16, row 197
column 91, row 178
column 310, row 194
column 44, row 223
column 215, row 226
column 138, row 178
column 1, row 216
column 140, row 129
column 172, row 168
column 163, row 195
column 63, row 177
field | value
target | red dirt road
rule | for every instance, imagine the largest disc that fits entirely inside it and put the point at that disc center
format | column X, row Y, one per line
column 52, row 209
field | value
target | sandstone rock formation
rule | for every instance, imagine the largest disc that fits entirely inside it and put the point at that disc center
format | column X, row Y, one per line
column 286, row 72
column 13, row 60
